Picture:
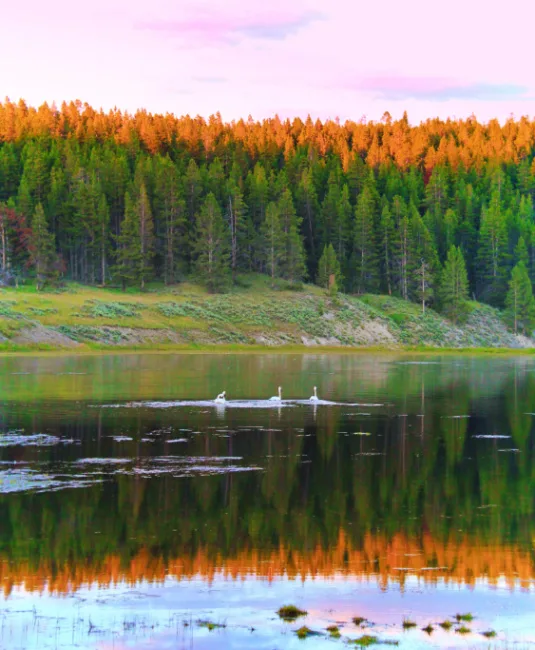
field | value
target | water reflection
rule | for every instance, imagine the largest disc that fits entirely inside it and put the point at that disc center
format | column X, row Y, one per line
column 432, row 475
column 121, row 472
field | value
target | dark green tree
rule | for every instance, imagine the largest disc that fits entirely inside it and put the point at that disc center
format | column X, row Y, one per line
column 454, row 285
column 273, row 244
column 212, row 246
column 519, row 302
column 328, row 268
column 365, row 265
column 42, row 250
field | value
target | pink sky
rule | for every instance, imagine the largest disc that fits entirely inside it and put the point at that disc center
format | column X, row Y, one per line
column 342, row 58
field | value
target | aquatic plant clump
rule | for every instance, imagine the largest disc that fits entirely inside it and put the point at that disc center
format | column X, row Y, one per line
column 358, row 620
column 366, row 640
column 290, row 612
column 210, row 625
column 408, row 624
column 446, row 625
column 304, row 631
column 334, row 631
column 464, row 617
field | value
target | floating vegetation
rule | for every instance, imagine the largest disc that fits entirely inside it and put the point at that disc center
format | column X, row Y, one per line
column 358, row 620
column 428, row 629
column 408, row 624
column 490, row 634
column 290, row 612
column 464, row 617
column 334, row 631
column 366, row 640
column 446, row 625
column 305, row 631
column 210, row 625
column 463, row 630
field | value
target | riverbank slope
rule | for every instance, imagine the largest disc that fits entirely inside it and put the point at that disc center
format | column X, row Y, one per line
column 252, row 314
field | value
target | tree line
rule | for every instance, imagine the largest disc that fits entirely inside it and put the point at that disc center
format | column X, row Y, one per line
column 436, row 213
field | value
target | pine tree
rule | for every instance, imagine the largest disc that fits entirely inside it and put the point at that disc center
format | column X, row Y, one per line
column 344, row 229
column 146, row 237
column 170, row 218
column 128, row 255
column 491, row 259
column 387, row 245
column 454, row 285
column 328, row 221
column 365, row 265
column 329, row 267
column 423, row 260
column 293, row 262
column 519, row 302
column 239, row 228
column 521, row 252
column 272, row 242
column 423, row 283
column 307, row 202
column 212, row 246
column 42, row 250
column 103, row 239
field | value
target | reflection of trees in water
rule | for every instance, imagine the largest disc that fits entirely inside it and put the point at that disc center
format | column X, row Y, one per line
column 344, row 510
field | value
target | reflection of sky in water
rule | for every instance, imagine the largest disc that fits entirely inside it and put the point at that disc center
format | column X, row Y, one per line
column 150, row 616
column 412, row 479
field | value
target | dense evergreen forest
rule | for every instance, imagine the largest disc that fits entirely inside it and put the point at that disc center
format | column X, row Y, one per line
column 435, row 213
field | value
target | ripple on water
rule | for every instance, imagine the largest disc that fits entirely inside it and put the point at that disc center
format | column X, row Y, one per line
column 24, row 480
column 232, row 404
column 18, row 438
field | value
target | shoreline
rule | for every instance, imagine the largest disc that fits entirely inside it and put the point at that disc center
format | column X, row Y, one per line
column 39, row 349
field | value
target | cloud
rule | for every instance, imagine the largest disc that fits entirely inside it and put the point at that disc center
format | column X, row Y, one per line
column 438, row 89
column 216, row 30
column 209, row 80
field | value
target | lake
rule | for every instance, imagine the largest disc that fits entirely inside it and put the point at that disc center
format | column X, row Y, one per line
column 136, row 513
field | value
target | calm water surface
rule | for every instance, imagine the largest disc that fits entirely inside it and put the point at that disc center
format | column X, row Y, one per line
column 134, row 512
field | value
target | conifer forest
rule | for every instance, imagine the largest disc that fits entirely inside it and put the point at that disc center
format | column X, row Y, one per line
column 437, row 213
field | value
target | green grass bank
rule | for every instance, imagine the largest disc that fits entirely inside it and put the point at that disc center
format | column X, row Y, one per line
column 251, row 317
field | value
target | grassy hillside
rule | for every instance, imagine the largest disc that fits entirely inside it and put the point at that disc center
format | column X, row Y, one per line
column 251, row 314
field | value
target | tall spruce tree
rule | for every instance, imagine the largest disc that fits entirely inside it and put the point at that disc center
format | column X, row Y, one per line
column 387, row 246
column 212, row 246
column 128, row 254
column 170, row 217
column 273, row 245
column 239, row 228
column 42, row 250
column 491, row 259
column 454, row 285
column 293, row 261
column 365, row 264
column 519, row 302
column 328, row 268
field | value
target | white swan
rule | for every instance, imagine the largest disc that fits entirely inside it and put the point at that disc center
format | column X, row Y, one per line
column 220, row 399
column 277, row 398
column 314, row 398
